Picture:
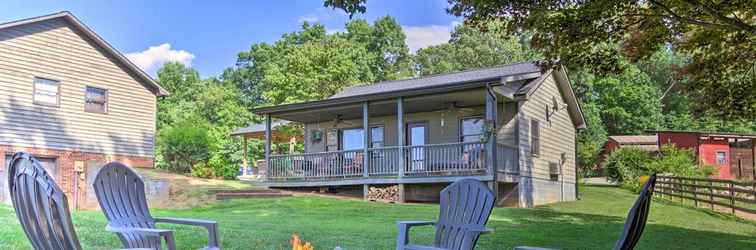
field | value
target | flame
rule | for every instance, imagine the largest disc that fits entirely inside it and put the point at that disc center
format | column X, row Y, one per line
column 296, row 243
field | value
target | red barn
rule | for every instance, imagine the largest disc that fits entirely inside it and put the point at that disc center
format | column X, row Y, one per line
column 732, row 154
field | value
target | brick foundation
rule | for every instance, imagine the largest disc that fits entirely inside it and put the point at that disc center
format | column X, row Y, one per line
column 66, row 165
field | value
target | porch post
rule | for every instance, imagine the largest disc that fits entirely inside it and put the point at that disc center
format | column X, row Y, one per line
column 400, row 134
column 268, row 139
column 491, row 147
column 366, row 139
column 245, row 160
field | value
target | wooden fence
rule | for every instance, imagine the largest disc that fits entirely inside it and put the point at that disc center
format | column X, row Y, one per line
column 713, row 193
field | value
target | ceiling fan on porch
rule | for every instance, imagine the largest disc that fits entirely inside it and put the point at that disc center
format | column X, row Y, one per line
column 339, row 120
column 452, row 107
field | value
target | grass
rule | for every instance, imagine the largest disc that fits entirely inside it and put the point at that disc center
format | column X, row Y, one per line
column 594, row 222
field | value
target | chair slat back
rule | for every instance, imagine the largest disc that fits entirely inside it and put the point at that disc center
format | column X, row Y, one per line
column 41, row 206
column 464, row 204
column 121, row 195
column 636, row 218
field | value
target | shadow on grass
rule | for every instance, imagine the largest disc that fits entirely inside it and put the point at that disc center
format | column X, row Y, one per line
column 545, row 227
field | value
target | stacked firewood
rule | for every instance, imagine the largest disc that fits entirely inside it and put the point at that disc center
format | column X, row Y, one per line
column 383, row 193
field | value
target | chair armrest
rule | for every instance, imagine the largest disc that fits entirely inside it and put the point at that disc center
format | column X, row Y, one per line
column 211, row 226
column 413, row 223
column 402, row 238
column 151, row 232
column 531, row 248
column 184, row 221
column 138, row 230
column 480, row 230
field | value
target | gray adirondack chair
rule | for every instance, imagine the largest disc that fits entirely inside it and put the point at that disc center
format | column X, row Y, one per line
column 635, row 222
column 464, row 209
column 41, row 206
column 121, row 195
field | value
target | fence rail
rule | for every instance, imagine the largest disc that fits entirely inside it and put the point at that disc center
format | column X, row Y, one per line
column 447, row 159
column 727, row 194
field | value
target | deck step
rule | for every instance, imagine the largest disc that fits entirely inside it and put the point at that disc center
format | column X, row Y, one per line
column 229, row 196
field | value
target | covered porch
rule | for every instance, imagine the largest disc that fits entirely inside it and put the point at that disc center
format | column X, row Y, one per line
column 407, row 139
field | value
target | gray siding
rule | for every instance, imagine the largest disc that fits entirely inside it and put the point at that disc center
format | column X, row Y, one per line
column 557, row 138
column 447, row 133
column 53, row 50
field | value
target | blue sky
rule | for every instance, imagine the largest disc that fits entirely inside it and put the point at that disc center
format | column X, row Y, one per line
column 209, row 35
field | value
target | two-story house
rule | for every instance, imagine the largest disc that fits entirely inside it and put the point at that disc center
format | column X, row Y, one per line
column 72, row 100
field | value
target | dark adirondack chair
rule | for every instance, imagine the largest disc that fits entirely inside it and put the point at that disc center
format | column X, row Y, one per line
column 635, row 222
column 41, row 206
column 464, row 209
column 121, row 195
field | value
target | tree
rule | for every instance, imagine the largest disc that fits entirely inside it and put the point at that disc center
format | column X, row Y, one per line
column 184, row 84
column 196, row 120
column 628, row 103
column 311, row 65
column 470, row 48
column 718, row 35
column 386, row 46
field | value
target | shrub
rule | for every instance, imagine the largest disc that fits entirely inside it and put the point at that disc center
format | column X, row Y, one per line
column 183, row 145
column 625, row 165
column 678, row 162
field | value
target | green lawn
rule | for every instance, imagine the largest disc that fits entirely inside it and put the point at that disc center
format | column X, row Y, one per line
column 591, row 223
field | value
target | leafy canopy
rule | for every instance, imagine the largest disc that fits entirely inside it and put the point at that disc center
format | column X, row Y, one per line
column 717, row 35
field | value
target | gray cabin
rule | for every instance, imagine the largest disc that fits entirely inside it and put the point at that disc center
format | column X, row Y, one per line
column 511, row 126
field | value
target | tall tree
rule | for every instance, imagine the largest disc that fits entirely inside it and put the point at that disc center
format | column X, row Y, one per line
column 470, row 48
column 311, row 64
column 718, row 35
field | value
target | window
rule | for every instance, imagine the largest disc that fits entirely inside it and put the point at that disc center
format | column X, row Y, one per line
column 535, row 138
column 554, row 171
column 96, row 100
column 50, row 164
column 472, row 129
column 376, row 137
column 352, row 139
column 721, row 158
column 46, row 92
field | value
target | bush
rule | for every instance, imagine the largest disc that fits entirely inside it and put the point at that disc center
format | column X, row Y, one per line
column 183, row 145
column 627, row 165
column 678, row 162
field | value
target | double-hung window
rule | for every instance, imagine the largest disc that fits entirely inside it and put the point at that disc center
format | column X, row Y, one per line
column 46, row 92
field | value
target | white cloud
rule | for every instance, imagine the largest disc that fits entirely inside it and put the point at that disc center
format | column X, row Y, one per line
column 321, row 15
column 308, row 18
column 154, row 57
column 419, row 37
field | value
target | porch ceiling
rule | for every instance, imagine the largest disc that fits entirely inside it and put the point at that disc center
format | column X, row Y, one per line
column 467, row 98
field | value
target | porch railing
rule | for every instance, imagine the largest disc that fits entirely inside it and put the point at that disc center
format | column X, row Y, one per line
column 449, row 159
column 507, row 158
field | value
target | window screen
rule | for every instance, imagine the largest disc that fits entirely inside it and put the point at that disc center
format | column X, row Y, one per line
column 96, row 100
column 472, row 129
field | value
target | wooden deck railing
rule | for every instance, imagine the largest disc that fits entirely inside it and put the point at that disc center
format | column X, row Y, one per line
column 449, row 159
column 713, row 193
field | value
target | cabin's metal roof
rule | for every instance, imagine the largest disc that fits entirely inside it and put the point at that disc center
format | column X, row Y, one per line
column 440, row 80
